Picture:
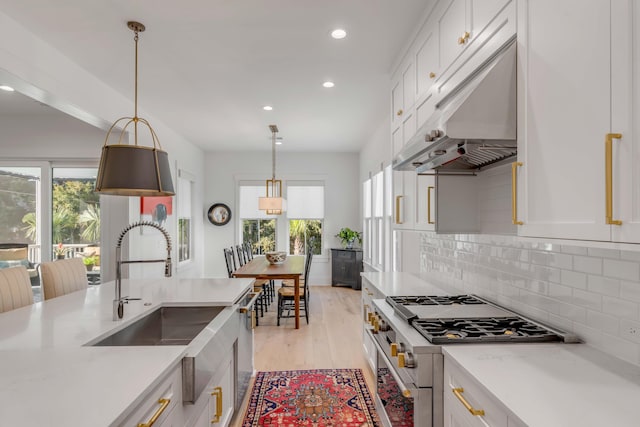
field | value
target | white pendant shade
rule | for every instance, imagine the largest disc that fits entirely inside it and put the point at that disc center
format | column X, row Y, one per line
column 272, row 204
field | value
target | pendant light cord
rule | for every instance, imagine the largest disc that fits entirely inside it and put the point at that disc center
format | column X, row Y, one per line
column 135, row 113
column 273, row 155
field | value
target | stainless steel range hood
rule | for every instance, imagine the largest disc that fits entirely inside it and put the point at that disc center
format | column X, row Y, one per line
column 473, row 126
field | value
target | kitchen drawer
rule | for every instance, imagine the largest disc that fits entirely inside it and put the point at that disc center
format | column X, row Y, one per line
column 171, row 389
column 476, row 396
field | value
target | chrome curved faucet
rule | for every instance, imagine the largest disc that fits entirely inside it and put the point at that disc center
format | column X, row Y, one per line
column 119, row 301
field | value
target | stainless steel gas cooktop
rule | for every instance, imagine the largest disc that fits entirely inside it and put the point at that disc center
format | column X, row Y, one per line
column 469, row 319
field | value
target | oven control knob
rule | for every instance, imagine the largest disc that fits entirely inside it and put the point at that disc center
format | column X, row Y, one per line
column 401, row 360
column 400, row 347
column 394, row 349
column 409, row 361
column 384, row 326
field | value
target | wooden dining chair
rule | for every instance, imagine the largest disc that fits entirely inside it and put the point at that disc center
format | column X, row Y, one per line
column 241, row 255
column 230, row 261
column 302, row 281
column 286, row 295
column 15, row 288
column 62, row 277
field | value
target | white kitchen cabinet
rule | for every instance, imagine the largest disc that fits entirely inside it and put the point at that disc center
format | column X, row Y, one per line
column 162, row 407
column 403, row 92
column 565, row 115
column 427, row 61
column 625, row 86
column 483, row 12
column 453, row 32
column 426, row 203
column 467, row 403
column 219, row 396
column 404, row 193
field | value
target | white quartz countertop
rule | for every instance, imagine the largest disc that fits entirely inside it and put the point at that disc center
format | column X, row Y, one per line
column 400, row 283
column 555, row 385
column 50, row 377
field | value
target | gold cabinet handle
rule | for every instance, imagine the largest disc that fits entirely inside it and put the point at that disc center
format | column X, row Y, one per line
column 368, row 291
column 608, row 173
column 367, row 311
column 514, row 193
column 398, row 199
column 429, row 190
column 400, row 360
column 432, row 75
column 464, row 38
column 163, row 405
column 218, row 393
column 399, row 113
column 475, row 412
column 394, row 349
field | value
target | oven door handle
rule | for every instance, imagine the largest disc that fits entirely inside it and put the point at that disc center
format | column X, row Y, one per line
column 406, row 392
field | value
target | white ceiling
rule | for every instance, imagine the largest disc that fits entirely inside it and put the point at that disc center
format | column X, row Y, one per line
column 207, row 67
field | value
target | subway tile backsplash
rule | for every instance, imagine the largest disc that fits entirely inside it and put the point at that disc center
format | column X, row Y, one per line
column 592, row 292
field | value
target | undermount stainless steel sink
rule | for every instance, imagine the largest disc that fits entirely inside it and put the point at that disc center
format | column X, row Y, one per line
column 164, row 326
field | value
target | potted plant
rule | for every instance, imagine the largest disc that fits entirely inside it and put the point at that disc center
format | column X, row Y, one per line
column 89, row 262
column 59, row 251
column 349, row 236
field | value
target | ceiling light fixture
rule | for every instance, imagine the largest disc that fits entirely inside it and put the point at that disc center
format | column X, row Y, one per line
column 6, row 88
column 338, row 34
column 267, row 108
column 134, row 170
column 328, row 84
column 273, row 203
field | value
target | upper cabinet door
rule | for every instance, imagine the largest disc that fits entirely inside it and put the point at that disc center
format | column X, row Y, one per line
column 483, row 12
column 454, row 34
column 625, row 85
column 564, row 113
column 427, row 62
column 396, row 103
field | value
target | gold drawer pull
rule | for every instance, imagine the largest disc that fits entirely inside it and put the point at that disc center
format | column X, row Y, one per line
column 368, row 291
column 432, row 75
column 401, row 360
column 394, row 349
column 163, row 405
column 475, row 412
column 608, row 166
column 398, row 198
column 218, row 393
column 514, row 193
column 429, row 190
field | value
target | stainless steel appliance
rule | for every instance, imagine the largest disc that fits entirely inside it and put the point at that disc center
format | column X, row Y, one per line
column 408, row 333
column 243, row 347
column 474, row 125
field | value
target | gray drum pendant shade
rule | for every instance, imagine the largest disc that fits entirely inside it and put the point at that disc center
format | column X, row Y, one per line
column 134, row 170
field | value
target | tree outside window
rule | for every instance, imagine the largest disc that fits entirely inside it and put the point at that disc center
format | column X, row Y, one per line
column 260, row 233
column 305, row 235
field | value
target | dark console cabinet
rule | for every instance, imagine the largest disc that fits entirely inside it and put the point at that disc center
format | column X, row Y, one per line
column 346, row 265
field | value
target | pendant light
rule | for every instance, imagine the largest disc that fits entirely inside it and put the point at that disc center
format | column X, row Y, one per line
column 273, row 203
column 132, row 169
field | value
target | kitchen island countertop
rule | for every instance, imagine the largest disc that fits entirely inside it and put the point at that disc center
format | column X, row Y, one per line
column 51, row 377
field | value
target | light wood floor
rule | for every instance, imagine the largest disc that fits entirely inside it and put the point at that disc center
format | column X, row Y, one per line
column 332, row 339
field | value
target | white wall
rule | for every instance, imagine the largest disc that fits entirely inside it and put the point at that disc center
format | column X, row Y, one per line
column 52, row 78
column 342, row 192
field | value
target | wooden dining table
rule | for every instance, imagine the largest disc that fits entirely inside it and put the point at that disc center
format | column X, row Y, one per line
column 292, row 268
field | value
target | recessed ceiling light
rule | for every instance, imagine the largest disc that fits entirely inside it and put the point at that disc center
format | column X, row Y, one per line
column 338, row 33
column 267, row 108
column 328, row 84
column 7, row 88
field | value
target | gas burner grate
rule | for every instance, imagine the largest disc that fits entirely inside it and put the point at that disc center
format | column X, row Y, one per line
column 493, row 329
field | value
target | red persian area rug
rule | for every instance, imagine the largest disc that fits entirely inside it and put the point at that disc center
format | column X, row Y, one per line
column 314, row 398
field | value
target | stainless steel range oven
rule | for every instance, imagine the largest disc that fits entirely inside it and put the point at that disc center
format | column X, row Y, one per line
column 408, row 333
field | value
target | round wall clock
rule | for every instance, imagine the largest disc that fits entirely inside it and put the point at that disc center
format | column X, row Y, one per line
column 219, row 214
